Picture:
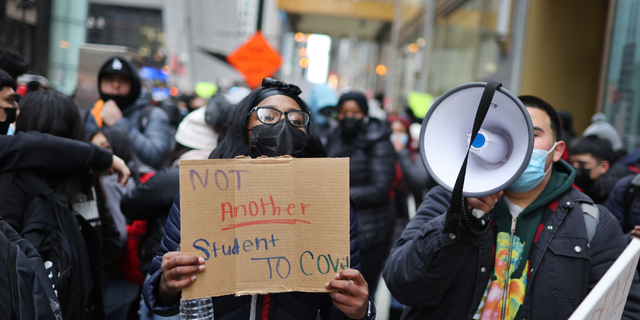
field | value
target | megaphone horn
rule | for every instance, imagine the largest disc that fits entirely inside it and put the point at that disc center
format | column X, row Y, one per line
column 475, row 141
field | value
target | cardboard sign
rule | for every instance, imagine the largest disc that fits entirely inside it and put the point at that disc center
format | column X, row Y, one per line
column 255, row 59
column 607, row 299
column 265, row 225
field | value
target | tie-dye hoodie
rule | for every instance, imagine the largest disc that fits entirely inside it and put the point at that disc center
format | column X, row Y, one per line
column 518, row 233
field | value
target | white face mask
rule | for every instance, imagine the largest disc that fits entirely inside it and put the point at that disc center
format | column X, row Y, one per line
column 534, row 173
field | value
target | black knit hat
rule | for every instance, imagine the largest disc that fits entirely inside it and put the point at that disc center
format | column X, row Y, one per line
column 358, row 97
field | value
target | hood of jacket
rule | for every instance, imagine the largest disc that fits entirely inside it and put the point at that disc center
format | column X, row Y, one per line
column 124, row 67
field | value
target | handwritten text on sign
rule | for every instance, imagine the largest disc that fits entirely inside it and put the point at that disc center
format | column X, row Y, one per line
column 265, row 225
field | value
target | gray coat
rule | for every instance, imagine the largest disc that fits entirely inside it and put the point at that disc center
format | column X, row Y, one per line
column 442, row 278
column 151, row 146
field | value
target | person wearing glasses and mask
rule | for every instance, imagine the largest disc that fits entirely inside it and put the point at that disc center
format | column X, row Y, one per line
column 271, row 121
column 365, row 140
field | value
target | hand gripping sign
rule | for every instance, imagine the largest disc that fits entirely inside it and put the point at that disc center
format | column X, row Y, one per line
column 265, row 225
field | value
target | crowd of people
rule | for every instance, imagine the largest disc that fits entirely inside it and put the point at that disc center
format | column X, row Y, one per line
column 114, row 173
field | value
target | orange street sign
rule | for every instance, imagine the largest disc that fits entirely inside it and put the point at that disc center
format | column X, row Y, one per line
column 255, row 59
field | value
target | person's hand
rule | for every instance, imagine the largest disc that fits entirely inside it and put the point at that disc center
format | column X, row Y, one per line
column 351, row 293
column 485, row 203
column 118, row 166
column 178, row 272
column 110, row 113
column 397, row 143
column 635, row 232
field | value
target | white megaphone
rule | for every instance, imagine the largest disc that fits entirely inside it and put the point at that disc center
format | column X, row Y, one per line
column 495, row 158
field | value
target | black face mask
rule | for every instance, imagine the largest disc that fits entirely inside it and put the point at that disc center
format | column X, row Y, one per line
column 583, row 178
column 351, row 126
column 278, row 140
column 121, row 101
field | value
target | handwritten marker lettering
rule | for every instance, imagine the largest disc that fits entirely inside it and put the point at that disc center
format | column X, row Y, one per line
column 226, row 180
column 265, row 208
column 227, row 250
column 221, row 178
column 193, row 173
column 277, row 266
column 324, row 263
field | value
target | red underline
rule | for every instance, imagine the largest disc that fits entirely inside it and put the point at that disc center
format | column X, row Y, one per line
column 253, row 223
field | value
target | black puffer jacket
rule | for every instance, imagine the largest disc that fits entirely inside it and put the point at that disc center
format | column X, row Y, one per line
column 371, row 172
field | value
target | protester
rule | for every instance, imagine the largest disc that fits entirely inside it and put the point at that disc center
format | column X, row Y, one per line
column 540, row 235
column 55, row 113
column 322, row 96
column 366, row 142
column 124, row 105
column 152, row 200
column 414, row 173
column 119, row 292
column 597, row 172
column 271, row 121
column 603, row 129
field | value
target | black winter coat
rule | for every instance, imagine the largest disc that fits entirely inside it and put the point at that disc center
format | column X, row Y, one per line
column 29, row 150
column 281, row 306
column 152, row 201
column 438, row 277
column 371, row 172
column 616, row 204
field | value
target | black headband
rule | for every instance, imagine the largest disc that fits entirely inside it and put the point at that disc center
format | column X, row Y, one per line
column 272, row 87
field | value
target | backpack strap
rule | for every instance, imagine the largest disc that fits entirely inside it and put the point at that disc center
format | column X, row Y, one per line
column 143, row 119
column 631, row 197
column 591, row 218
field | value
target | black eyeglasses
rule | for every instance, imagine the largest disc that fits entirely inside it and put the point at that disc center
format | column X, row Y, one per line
column 269, row 115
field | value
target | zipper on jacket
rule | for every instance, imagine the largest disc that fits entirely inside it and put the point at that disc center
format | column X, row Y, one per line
column 507, row 273
column 13, row 256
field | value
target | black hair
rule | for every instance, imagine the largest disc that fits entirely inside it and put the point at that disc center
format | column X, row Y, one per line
column 13, row 63
column 598, row 148
column 234, row 141
column 7, row 81
column 535, row 102
column 55, row 113
column 50, row 111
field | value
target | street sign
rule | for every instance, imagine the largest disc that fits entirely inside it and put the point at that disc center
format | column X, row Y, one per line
column 255, row 59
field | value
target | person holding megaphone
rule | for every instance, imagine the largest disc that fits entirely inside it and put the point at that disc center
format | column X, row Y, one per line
column 534, row 252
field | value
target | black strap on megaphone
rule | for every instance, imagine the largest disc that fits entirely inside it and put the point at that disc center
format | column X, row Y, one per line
column 458, row 203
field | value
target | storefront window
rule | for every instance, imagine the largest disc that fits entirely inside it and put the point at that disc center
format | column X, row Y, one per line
column 464, row 46
column 621, row 102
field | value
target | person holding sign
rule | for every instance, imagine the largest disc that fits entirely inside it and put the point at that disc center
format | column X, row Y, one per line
column 271, row 121
column 546, row 249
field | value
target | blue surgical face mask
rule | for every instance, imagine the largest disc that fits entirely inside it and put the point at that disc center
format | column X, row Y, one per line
column 12, row 130
column 404, row 138
column 534, row 173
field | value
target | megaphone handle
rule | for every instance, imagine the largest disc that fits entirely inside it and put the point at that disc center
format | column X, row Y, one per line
column 458, row 204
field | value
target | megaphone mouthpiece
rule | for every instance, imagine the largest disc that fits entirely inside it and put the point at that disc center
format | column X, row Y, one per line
column 490, row 147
